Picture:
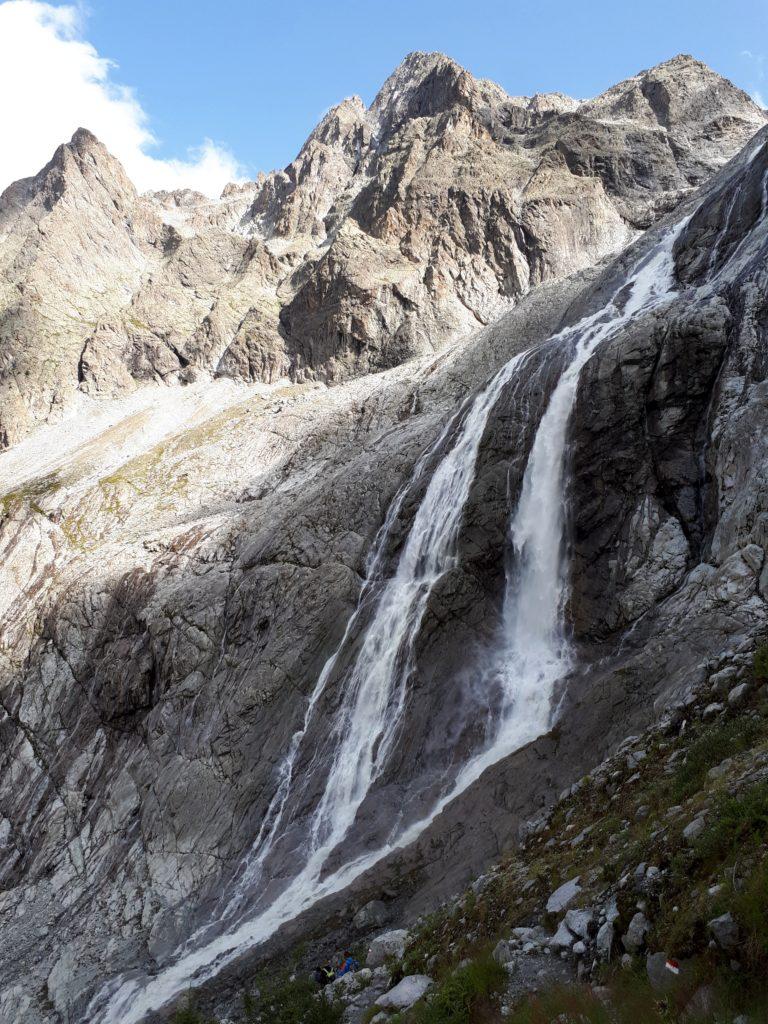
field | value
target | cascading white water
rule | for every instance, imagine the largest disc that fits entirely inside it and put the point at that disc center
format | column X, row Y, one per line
column 532, row 654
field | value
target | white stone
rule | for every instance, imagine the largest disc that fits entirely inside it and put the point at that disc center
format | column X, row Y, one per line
column 389, row 944
column 563, row 896
column 405, row 993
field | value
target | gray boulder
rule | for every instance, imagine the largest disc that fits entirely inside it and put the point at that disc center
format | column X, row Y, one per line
column 633, row 939
column 563, row 937
column 721, row 681
column 661, row 975
column 563, row 896
column 581, row 922
column 372, row 915
column 725, row 932
column 405, row 993
column 738, row 695
column 604, row 940
column 694, row 829
column 390, row 944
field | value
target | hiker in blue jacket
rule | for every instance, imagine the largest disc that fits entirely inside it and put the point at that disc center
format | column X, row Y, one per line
column 347, row 964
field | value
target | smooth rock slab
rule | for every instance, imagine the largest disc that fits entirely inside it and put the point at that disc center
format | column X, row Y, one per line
column 405, row 993
column 564, row 896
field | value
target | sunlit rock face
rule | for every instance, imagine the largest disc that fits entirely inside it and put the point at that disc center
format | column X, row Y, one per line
column 180, row 556
column 396, row 229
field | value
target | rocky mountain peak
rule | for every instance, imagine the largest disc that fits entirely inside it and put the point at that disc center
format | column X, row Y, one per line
column 424, row 85
column 394, row 231
column 342, row 127
column 85, row 158
column 81, row 167
column 682, row 93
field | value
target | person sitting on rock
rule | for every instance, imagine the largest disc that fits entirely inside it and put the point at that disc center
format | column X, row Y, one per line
column 324, row 975
column 347, row 964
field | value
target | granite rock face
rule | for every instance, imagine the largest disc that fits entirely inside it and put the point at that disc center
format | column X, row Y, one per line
column 174, row 574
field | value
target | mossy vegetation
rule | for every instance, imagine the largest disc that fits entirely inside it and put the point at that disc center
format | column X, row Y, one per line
column 30, row 494
column 282, row 999
column 465, row 995
column 711, row 746
column 290, row 999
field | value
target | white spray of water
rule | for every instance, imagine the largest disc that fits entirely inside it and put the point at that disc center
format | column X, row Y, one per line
column 532, row 656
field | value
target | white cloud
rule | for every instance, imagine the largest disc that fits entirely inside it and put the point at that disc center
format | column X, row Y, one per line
column 53, row 81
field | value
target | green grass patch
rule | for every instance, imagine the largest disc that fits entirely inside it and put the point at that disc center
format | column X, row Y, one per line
column 710, row 748
column 736, row 821
column 749, row 906
column 286, row 1001
column 463, row 995
column 189, row 1014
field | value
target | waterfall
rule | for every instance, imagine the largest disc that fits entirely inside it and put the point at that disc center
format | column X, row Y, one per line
column 531, row 654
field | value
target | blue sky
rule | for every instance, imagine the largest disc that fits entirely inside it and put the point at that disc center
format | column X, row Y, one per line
column 254, row 77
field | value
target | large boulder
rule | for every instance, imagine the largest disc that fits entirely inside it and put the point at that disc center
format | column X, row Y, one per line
column 405, row 993
column 563, row 896
column 725, row 932
column 390, row 945
column 666, row 974
column 372, row 915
